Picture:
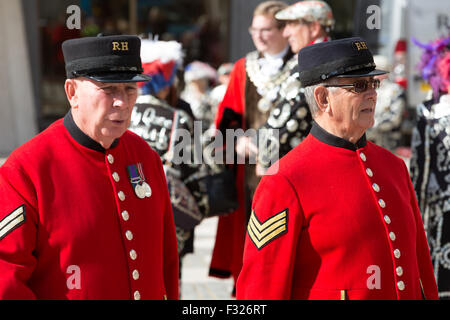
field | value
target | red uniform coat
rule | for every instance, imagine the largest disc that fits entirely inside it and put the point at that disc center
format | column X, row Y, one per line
column 227, row 254
column 239, row 109
column 72, row 226
column 336, row 221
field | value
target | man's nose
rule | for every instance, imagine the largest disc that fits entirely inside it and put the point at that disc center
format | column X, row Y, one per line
column 120, row 98
column 371, row 92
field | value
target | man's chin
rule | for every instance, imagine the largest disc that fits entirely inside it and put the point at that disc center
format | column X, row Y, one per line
column 114, row 133
column 261, row 48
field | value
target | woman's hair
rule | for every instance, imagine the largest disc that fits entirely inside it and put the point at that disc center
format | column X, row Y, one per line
column 271, row 8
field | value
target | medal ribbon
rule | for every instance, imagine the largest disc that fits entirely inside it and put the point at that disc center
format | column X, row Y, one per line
column 134, row 175
column 141, row 171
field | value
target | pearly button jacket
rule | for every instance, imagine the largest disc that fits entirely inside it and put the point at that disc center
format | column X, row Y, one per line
column 73, row 227
column 336, row 220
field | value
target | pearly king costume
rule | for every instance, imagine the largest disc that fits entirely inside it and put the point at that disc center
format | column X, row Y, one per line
column 430, row 171
column 253, row 90
column 430, row 161
column 291, row 118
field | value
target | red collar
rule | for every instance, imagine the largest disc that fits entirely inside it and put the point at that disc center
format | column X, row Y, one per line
column 318, row 40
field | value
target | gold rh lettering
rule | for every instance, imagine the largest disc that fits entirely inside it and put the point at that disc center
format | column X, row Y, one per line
column 115, row 46
column 120, row 46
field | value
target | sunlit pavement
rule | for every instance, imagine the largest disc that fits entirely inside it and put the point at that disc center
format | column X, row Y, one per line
column 195, row 282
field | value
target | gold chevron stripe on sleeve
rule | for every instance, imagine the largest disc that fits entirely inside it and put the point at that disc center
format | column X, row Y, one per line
column 262, row 234
column 12, row 221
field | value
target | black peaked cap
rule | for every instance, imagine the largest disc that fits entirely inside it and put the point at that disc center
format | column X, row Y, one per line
column 349, row 57
column 104, row 58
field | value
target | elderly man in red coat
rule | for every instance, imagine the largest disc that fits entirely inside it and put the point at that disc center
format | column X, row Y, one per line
column 84, row 207
column 337, row 218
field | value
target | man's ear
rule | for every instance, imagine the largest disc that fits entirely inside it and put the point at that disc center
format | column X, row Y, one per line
column 315, row 29
column 322, row 99
column 70, row 87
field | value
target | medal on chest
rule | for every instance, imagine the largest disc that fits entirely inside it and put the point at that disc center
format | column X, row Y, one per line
column 140, row 186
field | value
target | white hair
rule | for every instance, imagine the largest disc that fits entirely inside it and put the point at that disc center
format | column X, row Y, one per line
column 311, row 100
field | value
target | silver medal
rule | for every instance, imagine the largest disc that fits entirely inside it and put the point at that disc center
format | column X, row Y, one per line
column 140, row 191
column 147, row 190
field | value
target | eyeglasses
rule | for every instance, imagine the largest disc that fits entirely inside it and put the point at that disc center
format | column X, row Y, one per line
column 358, row 86
column 254, row 31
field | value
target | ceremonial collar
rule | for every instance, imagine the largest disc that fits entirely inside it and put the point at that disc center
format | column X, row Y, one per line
column 80, row 137
column 332, row 140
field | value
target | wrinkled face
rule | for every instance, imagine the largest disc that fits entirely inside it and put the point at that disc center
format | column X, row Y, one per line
column 299, row 34
column 353, row 113
column 266, row 36
column 103, row 110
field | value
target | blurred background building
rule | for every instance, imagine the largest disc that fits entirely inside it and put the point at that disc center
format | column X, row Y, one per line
column 213, row 31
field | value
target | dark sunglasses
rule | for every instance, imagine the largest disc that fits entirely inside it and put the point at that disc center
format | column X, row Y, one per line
column 358, row 86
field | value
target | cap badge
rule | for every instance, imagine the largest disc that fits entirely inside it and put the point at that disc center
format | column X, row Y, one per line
column 120, row 46
column 137, row 179
column 360, row 45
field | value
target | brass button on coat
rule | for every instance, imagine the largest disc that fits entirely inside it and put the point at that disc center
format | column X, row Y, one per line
column 363, row 156
column 392, row 236
column 125, row 215
column 129, row 235
column 110, row 158
column 116, row 177
column 376, row 187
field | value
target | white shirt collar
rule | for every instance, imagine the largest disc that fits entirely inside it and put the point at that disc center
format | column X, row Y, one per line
column 279, row 55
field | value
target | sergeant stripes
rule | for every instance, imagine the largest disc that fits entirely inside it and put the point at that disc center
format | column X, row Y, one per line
column 262, row 233
column 12, row 221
